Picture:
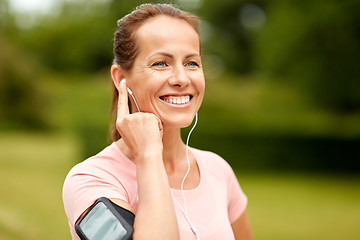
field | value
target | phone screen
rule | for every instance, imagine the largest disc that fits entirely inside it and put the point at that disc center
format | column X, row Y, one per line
column 100, row 223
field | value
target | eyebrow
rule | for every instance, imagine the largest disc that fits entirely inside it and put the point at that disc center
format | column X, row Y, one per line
column 172, row 56
column 192, row 55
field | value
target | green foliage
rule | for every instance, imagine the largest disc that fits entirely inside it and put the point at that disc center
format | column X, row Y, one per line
column 80, row 38
column 81, row 106
column 278, row 77
column 23, row 101
column 312, row 44
column 72, row 42
column 315, row 44
column 229, row 39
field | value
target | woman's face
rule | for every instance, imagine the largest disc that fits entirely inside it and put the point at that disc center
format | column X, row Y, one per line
column 167, row 78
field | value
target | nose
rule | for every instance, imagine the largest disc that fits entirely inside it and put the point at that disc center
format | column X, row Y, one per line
column 179, row 77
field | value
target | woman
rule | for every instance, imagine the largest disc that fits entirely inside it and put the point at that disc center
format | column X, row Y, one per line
column 175, row 192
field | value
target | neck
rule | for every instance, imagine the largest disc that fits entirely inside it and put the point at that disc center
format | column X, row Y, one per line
column 173, row 149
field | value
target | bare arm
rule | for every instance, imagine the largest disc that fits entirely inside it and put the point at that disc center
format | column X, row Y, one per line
column 241, row 227
column 141, row 132
column 156, row 218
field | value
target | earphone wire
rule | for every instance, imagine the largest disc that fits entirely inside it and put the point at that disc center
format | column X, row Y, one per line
column 137, row 106
column 188, row 161
column 183, row 181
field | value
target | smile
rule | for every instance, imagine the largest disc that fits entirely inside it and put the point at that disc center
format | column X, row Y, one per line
column 176, row 99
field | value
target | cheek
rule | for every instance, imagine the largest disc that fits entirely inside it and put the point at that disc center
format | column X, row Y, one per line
column 146, row 89
column 199, row 82
column 141, row 82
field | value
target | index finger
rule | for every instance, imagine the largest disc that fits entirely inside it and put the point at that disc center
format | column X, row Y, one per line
column 123, row 108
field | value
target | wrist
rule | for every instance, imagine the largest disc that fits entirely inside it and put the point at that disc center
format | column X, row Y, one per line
column 151, row 156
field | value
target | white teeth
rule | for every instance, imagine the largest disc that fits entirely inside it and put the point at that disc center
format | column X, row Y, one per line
column 177, row 100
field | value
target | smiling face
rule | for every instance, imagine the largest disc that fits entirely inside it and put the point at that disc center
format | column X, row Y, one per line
column 167, row 78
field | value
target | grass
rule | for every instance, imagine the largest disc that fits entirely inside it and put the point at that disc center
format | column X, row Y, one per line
column 281, row 205
column 303, row 206
column 32, row 170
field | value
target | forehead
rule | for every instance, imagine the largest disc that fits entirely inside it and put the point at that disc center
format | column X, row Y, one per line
column 164, row 31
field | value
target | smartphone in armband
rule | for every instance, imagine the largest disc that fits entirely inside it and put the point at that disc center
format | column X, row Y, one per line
column 105, row 220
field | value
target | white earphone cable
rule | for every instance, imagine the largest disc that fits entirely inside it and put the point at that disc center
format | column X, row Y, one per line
column 131, row 94
column 188, row 161
column 184, row 209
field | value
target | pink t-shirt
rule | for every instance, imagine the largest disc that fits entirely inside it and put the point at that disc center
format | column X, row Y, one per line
column 211, row 207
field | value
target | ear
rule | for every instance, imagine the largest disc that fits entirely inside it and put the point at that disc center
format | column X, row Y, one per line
column 117, row 74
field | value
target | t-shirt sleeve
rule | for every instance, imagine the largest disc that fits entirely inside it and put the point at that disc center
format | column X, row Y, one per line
column 84, row 185
column 237, row 200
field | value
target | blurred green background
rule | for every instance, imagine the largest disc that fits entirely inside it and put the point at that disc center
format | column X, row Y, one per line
column 282, row 106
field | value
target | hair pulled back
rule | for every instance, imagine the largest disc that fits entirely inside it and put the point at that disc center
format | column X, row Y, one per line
column 125, row 47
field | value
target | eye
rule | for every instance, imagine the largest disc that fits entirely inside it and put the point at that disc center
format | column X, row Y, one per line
column 192, row 64
column 160, row 64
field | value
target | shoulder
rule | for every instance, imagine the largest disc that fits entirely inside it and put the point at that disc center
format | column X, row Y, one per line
column 108, row 170
column 106, row 163
column 108, row 174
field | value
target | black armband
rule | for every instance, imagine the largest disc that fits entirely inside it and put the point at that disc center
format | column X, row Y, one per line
column 105, row 220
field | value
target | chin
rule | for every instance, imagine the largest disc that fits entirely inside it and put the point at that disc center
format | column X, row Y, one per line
column 179, row 122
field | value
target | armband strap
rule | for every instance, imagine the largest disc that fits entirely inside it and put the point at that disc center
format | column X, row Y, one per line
column 126, row 214
column 105, row 220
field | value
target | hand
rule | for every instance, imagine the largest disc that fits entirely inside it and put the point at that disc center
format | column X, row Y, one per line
column 141, row 132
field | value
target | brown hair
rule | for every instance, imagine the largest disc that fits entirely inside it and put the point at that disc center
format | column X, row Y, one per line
column 125, row 49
